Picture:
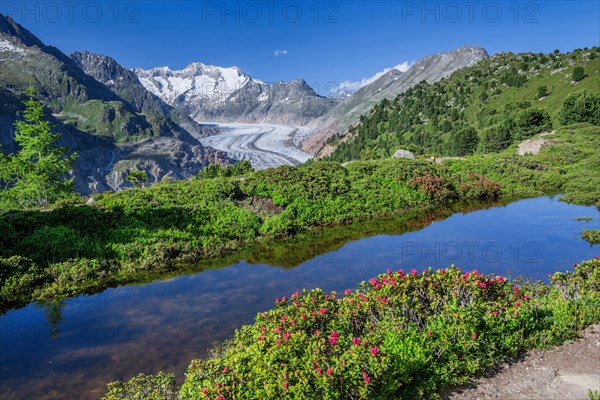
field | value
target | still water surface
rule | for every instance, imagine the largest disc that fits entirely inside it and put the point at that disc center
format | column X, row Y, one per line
column 72, row 350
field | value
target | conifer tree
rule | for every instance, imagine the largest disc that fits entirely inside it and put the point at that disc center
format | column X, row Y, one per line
column 37, row 173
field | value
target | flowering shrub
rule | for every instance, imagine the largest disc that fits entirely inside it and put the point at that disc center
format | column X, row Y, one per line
column 402, row 335
column 464, row 185
column 476, row 186
column 434, row 186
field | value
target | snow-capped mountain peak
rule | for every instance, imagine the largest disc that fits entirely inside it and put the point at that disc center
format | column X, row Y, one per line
column 209, row 83
column 228, row 94
column 348, row 87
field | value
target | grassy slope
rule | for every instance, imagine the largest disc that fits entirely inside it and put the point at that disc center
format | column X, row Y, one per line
column 559, row 85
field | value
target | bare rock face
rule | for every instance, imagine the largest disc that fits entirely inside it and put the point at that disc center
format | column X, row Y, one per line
column 218, row 94
column 430, row 69
column 160, row 158
column 403, row 154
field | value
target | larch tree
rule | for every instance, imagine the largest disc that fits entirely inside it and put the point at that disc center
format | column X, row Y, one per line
column 37, row 173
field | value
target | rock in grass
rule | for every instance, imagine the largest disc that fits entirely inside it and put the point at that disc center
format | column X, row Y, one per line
column 403, row 154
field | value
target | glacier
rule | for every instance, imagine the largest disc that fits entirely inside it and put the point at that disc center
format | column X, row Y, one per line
column 263, row 145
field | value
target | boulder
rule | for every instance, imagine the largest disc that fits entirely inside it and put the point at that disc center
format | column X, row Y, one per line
column 403, row 154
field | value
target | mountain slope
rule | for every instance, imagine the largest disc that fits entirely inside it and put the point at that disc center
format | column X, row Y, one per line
column 125, row 83
column 483, row 108
column 430, row 69
column 94, row 121
column 217, row 94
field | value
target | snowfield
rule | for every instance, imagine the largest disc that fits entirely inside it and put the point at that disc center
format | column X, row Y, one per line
column 264, row 145
column 8, row 46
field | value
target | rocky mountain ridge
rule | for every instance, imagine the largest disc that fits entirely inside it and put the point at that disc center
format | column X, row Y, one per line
column 219, row 94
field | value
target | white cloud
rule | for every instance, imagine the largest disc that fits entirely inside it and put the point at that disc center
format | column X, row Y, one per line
column 354, row 86
column 280, row 53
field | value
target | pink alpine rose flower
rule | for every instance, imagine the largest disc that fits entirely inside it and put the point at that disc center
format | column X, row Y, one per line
column 366, row 378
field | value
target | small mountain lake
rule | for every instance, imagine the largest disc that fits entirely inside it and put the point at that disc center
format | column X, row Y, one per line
column 73, row 349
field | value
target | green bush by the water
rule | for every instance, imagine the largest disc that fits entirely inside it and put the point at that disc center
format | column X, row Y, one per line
column 78, row 248
column 591, row 235
column 402, row 335
column 74, row 248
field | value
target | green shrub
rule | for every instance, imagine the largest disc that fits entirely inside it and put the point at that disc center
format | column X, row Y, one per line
column 591, row 235
column 583, row 106
column 19, row 278
column 284, row 184
column 216, row 170
column 51, row 244
column 532, row 121
column 144, row 387
column 465, row 141
column 578, row 74
column 494, row 138
column 7, row 236
column 137, row 178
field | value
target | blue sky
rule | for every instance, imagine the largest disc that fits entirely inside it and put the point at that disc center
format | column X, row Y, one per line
column 320, row 41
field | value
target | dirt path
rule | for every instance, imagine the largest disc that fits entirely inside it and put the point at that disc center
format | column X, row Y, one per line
column 565, row 372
